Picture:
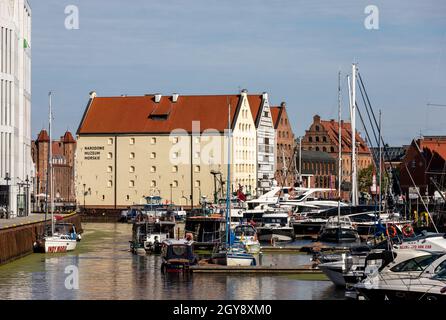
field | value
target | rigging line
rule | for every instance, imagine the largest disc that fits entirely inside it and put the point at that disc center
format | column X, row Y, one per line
column 421, row 198
column 382, row 139
column 368, row 114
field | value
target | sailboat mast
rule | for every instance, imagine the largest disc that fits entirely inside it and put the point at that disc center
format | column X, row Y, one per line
column 353, row 125
column 228, row 188
column 340, row 147
column 380, row 165
column 50, row 160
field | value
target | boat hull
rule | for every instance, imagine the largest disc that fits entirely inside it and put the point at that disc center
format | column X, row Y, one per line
column 279, row 234
column 233, row 259
column 56, row 245
column 400, row 295
column 339, row 235
column 334, row 273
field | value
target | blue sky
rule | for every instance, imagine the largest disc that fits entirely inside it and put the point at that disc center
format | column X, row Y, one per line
column 291, row 49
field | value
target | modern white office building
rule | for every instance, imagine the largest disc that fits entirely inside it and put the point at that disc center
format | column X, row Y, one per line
column 16, row 169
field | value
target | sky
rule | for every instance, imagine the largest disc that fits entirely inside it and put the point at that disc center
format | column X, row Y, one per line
column 291, row 49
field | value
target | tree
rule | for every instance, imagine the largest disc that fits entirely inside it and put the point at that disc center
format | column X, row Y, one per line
column 365, row 179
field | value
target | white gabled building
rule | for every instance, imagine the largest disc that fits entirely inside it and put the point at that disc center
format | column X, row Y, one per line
column 265, row 138
column 16, row 168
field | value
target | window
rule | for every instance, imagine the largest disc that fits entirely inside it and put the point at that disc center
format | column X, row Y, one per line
column 175, row 140
column 132, row 141
column 103, row 197
column 175, row 155
column 152, row 169
column 128, row 197
column 132, row 155
column 267, row 141
column 110, row 141
column 109, row 169
column 197, row 155
column 132, row 169
column 153, row 140
column 109, row 155
column 317, row 128
column 153, row 183
column 317, row 139
column 197, row 183
column 332, row 149
column 310, row 139
column 175, row 169
column 175, row 183
column 197, row 139
column 109, row 183
column 197, row 168
column 324, row 138
column 131, row 183
column 153, row 155
column 265, row 114
column 324, row 149
column 415, row 264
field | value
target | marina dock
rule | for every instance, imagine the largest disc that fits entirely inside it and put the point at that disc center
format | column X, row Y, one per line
column 208, row 268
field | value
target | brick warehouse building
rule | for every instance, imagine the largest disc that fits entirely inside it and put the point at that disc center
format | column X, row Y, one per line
column 63, row 169
column 424, row 161
column 323, row 136
column 285, row 144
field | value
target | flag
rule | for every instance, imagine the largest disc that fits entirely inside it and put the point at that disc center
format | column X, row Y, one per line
column 240, row 195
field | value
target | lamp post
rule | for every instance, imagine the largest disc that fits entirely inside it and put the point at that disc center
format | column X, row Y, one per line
column 7, row 178
column 171, row 187
column 27, row 196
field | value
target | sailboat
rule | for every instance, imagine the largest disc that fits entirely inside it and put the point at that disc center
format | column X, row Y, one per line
column 339, row 229
column 54, row 242
column 230, row 254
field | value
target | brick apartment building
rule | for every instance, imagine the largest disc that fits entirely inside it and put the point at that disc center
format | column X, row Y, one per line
column 285, row 144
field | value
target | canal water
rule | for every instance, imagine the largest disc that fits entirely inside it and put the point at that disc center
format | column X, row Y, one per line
column 107, row 270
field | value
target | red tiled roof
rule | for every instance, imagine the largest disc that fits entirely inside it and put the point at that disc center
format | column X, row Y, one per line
column 275, row 111
column 127, row 114
column 56, row 149
column 43, row 136
column 435, row 145
column 332, row 127
column 68, row 137
column 255, row 102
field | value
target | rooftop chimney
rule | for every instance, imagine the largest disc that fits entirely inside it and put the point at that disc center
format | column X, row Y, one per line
column 175, row 97
column 283, row 104
column 265, row 95
column 317, row 118
column 92, row 94
column 158, row 97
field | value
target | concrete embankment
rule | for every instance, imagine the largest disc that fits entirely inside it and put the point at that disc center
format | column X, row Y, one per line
column 17, row 236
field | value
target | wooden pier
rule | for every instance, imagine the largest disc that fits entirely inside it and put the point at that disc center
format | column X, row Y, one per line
column 212, row 268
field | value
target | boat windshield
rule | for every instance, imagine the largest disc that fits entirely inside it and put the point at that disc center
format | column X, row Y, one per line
column 415, row 264
column 178, row 252
column 275, row 220
column 248, row 231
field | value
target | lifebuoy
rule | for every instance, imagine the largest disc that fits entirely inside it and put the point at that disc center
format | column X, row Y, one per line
column 392, row 233
column 425, row 215
column 407, row 230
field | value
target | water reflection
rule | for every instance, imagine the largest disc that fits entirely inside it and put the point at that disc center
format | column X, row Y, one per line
column 107, row 270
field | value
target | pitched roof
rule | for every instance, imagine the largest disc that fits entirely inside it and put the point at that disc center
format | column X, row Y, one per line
column 68, row 138
column 332, row 128
column 132, row 114
column 431, row 146
column 43, row 136
column 255, row 103
column 275, row 114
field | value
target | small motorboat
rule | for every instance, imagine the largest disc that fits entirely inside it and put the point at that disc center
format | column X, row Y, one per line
column 246, row 235
column 233, row 256
column 275, row 227
column 177, row 255
column 148, row 235
column 339, row 229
